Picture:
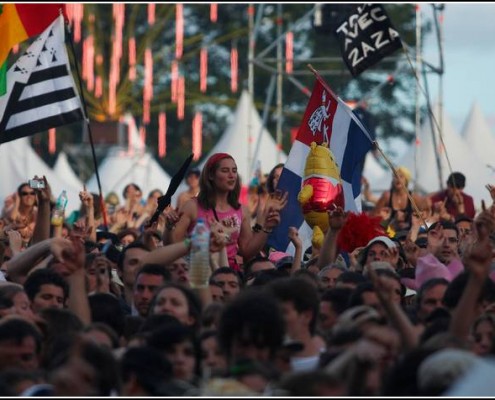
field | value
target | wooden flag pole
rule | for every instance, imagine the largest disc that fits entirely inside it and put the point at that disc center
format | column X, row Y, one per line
column 86, row 119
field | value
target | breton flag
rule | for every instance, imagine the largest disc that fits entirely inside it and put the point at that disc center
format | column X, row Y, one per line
column 19, row 22
column 41, row 93
column 327, row 119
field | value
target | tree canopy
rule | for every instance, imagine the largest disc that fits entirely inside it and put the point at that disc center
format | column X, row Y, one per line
column 385, row 102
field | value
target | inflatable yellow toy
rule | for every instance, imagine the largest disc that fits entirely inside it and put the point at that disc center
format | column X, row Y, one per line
column 321, row 189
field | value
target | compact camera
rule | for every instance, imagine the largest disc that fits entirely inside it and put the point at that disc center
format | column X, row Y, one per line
column 37, row 184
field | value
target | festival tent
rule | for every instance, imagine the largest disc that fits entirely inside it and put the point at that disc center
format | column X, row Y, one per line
column 63, row 169
column 478, row 135
column 461, row 159
column 379, row 177
column 20, row 163
column 134, row 164
column 236, row 141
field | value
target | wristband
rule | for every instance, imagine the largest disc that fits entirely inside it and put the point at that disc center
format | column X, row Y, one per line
column 187, row 243
column 257, row 228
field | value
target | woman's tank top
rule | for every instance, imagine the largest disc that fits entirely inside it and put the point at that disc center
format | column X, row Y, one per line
column 236, row 216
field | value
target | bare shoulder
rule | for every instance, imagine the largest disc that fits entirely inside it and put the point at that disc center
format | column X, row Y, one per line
column 184, row 195
column 190, row 207
column 384, row 198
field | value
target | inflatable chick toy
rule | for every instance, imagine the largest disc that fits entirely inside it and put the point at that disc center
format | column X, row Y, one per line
column 321, row 189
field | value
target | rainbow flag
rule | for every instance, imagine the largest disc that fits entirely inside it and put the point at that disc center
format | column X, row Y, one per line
column 19, row 22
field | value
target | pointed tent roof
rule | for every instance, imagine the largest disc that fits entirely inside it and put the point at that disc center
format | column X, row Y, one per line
column 235, row 140
column 462, row 160
column 378, row 177
column 478, row 135
column 19, row 163
column 63, row 168
column 121, row 167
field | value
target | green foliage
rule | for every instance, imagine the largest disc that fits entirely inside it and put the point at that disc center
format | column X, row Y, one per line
column 232, row 29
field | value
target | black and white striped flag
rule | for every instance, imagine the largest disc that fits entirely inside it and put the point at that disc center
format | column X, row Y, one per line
column 41, row 93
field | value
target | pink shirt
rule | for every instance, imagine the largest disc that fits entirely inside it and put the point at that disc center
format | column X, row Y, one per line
column 236, row 216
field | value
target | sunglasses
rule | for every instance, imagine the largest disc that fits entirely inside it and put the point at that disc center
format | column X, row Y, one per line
column 28, row 193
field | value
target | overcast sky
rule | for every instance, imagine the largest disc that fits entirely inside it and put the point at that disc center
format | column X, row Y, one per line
column 469, row 59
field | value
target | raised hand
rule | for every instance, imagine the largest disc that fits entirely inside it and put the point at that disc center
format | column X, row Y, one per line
column 121, row 217
column 172, row 216
column 384, row 287
column 74, row 259
column 15, row 241
column 484, row 224
column 277, row 201
column 440, row 211
column 293, row 235
column 336, row 218
column 354, row 256
column 79, row 230
column 218, row 237
column 61, row 248
column 435, row 238
column 478, row 253
column 393, row 255
column 457, row 198
column 45, row 194
column 477, row 258
column 86, row 198
column 411, row 250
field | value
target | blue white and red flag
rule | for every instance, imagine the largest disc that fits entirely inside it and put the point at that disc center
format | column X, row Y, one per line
column 327, row 119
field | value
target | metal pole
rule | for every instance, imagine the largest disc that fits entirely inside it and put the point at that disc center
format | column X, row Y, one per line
column 279, row 82
column 268, row 101
column 440, row 78
column 250, row 86
column 440, row 86
column 418, row 69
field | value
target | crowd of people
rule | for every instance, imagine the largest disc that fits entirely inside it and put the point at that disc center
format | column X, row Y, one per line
column 399, row 303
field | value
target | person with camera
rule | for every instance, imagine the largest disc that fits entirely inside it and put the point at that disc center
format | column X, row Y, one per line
column 22, row 216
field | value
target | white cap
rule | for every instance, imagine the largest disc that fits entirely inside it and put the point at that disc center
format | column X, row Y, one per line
column 383, row 239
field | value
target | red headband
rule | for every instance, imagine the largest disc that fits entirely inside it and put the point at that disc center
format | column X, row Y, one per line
column 216, row 158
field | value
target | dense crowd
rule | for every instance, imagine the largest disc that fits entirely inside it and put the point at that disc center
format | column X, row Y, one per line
column 397, row 300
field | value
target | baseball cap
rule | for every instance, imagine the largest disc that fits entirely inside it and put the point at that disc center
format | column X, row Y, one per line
column 382, row 239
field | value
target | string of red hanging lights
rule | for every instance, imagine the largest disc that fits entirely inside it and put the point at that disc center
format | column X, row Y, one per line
column 95, row 82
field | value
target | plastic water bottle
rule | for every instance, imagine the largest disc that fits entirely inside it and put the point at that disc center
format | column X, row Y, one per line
column 199, row 263
column 58, row 212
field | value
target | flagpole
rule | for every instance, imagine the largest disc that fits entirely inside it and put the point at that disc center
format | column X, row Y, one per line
column 86, row 119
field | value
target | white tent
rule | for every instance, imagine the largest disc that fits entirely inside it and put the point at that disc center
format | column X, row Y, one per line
column 235, row 141
column 19, row 163
column 62, row 168
column 121, row 167
column 462, row 159
column 378, row 177
column 479, row 136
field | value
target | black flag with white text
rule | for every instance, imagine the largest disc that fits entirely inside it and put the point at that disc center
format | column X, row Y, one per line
column 366, row 36
column 41, row 93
